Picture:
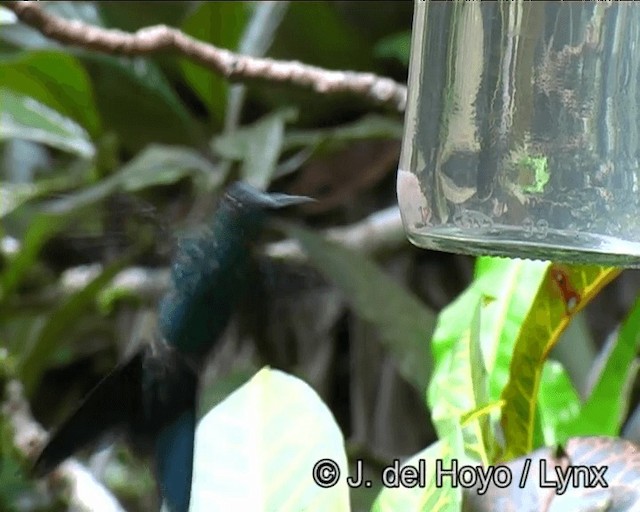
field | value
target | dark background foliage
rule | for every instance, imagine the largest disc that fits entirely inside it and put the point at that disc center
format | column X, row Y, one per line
column 158, row 138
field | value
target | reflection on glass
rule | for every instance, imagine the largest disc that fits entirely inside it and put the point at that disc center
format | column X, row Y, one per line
column 521, row 134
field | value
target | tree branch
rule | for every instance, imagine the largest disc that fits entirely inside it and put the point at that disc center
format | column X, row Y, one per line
column 378, row 232
column 233, row 66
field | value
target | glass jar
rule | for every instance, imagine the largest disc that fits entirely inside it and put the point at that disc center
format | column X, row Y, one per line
column 522, row 130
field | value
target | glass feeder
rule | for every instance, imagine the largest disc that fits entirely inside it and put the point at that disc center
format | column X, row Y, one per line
column 522, row 130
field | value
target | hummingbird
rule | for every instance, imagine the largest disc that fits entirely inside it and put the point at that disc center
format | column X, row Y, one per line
column 152, row 396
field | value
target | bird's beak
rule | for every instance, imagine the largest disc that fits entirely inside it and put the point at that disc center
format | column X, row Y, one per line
column 248, row 195
column 277, row 200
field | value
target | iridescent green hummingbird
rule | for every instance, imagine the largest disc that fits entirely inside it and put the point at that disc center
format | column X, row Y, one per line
column 152, row 396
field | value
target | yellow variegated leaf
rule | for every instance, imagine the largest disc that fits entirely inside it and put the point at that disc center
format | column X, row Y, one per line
column 564, row 291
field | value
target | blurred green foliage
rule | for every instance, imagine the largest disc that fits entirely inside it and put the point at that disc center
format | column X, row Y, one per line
column 80, row 130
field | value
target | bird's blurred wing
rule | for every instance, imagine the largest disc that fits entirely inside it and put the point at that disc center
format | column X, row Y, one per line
column 107, row 406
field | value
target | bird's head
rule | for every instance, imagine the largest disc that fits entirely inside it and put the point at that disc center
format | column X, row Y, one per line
column 251, row 206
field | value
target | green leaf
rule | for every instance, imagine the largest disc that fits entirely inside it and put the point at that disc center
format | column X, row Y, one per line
column 459, row 386
column 41, row 229
column 485, row 264
column 23, row 117
column 221, row 24
column 329, row 39
column 256, row 39
column 55, row 79
column 133, row 97
column 429, row 497
column 564, row 291
column 511, row 291
column 24, row 36
column 258, row 146
column 138, row 103
column 395, row 46
column 131, row 16
column 367, row 127
column 163, row 165
column 606, row 408
column 558, row 404
column 267, row 436
column 156, row 165
column 506, row 288
column 14, row 195
column 405, row 324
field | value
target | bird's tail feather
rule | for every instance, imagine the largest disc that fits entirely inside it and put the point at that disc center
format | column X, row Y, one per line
column 107, row 406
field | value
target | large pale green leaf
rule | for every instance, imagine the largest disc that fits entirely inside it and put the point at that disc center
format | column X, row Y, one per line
column 564, row 291
column 427, row 496
column 257, row 449
column 24, row 117
column 258, row 147
column 55, row 79
column 405, row 324
column 221, row 24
